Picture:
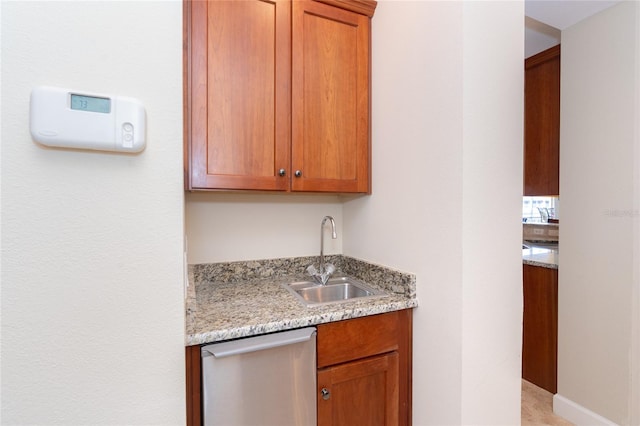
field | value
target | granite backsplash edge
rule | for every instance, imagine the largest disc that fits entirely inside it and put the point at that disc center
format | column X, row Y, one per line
column 389, row 279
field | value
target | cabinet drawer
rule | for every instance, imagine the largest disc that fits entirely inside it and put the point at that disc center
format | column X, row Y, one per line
column 347, row 340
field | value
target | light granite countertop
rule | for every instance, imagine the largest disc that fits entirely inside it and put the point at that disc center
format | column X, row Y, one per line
column 240, row 299
column 540, row 256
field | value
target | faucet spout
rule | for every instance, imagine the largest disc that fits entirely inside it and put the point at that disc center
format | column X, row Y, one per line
column 334, row 235
column 322, row 275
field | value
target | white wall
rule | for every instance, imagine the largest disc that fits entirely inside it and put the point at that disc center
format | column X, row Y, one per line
column 92, row 273
column 413, row 220
column 598, row 277
column 223, row 227
column 447, row 150
column 492, row 173
column 538, row 36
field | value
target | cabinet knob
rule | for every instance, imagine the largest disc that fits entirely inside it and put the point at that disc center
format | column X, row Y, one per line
column 282, row 172
column 325, row 394
column 298, row 173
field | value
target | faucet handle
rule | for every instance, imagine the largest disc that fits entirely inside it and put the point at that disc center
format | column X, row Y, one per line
column 311, row 270
column 321, row 276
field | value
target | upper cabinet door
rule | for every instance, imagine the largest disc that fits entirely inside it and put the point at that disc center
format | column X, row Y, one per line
column 330, row 99
column 238, row 71
column 542, row 124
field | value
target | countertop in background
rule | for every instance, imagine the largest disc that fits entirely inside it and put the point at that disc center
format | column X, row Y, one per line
column 543, row 255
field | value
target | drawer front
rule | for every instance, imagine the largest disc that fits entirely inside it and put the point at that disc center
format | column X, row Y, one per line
column 347, row 340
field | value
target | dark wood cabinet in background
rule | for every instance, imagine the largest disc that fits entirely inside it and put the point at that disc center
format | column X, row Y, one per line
column 542, row 123
column 277, row 95
column 540, row 327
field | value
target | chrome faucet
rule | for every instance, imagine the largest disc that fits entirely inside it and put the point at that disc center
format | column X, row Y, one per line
column 322, row 275
column 333, row 235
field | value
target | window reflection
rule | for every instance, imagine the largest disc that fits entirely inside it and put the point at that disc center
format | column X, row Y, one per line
column 540, row 209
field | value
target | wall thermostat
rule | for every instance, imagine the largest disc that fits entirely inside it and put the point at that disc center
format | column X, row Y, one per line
column 75, row 119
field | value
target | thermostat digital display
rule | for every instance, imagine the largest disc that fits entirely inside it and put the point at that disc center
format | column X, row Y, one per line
column 72, row 119
column 90, row 103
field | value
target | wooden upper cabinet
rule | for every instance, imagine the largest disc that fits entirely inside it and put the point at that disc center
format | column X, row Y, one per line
column 542, row 123
column 277, row 87
column 330, row 84
column 238, row 94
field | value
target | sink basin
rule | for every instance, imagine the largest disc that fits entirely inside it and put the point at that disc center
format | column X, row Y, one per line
column 337, row 290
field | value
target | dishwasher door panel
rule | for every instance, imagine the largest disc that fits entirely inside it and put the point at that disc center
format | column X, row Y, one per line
column 263, row 380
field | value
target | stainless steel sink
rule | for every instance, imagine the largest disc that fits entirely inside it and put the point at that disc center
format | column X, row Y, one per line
column 336, row 290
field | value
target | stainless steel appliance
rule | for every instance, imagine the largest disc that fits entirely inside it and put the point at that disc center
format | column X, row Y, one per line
column 263, row 380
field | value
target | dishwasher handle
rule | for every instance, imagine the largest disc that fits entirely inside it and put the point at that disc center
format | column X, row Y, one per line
column 258, row 343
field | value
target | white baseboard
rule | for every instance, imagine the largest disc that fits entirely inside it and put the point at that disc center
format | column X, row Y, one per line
column 577, row 414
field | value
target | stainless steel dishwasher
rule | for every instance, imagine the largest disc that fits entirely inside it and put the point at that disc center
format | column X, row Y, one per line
column 262, row 380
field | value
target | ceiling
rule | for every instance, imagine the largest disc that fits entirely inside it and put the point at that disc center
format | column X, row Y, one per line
column 545, row 19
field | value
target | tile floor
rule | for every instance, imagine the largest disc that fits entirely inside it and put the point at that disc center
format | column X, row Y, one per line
column 537, row 407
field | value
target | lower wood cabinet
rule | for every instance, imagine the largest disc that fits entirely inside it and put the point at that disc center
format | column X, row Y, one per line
column 540, row 327
column 363, row 392
column 364, row 372
column 193, row 363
